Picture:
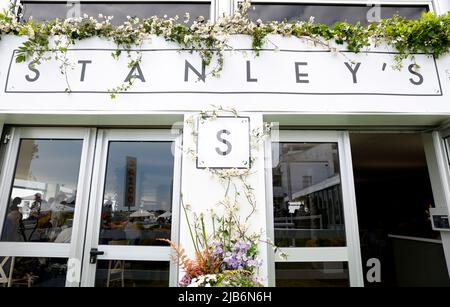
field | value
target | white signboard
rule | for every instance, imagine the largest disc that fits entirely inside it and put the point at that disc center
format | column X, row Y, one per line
column 223, row 142
column 294, row 206
column 292, row 72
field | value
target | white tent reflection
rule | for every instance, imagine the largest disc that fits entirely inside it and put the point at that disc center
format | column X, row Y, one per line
column 166, row 214
column 142, row 213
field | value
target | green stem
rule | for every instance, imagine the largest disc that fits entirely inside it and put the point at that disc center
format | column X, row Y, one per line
column 189, row 226
column 205, row 239
column 214, row 227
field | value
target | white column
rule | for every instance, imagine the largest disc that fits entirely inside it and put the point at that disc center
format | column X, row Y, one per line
column 440, row 181
column 3, row 204
column 350, row 213
column 201, row 191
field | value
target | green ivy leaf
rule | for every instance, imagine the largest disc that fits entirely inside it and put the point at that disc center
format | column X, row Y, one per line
column 20, row 58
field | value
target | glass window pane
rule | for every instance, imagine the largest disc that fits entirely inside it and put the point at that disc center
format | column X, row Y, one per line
column 329, row 14
column 120, row 10
column 122, row 273
column 43, row 195
column 33, row 272
column 137, row 201
column 312, row 274
column 307, row 200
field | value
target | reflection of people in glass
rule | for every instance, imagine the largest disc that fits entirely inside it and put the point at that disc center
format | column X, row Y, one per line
column 14, row 230
column 34, row 218
column 107, row 215
column 36, row 206
column 133, row 231
column 66, row 233
column 57, row 208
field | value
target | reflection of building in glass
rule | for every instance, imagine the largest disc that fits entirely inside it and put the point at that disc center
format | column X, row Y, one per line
column 308, row 207
column 133, row 172
column 329, row 13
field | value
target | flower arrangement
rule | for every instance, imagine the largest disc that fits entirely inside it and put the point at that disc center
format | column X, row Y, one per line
column 225, row 247
column 227, row 257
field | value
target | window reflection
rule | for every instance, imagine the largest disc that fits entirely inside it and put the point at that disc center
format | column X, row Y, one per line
column 308, row 210
column 123, row 273
column 137, row 203
column 43, row 195
column 312, row 274
column 329, row 14
column 33, row 272
column 120, row 10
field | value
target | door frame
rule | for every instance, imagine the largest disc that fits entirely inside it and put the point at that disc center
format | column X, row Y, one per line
column 351, row 253
column 437, row 152
column 159, row 253
column 72, row 251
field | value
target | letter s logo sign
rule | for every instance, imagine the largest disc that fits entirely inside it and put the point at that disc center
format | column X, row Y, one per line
column 219, row 137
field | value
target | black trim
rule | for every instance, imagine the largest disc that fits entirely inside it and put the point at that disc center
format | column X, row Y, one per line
column 9, row 70
column 437, row 74
column 233, row 92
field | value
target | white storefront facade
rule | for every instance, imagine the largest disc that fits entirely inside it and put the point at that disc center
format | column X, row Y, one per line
column 82, row 147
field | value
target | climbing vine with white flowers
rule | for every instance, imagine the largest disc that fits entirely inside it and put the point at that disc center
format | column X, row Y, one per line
column 50, row 40
column 227, row 251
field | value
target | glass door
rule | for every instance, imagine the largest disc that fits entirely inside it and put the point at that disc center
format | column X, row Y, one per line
column 43, row 199
column 437, row 150
column 134, row 207
column 312, row 211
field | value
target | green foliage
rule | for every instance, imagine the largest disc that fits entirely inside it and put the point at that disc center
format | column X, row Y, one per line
column 237, row 279
column 429, row 34
column 259, row 38
column 355, row 36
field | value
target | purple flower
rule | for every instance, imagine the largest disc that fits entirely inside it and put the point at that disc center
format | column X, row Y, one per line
column 217, row 250
column 234, row 257
column 241, row 246
column 185, row 281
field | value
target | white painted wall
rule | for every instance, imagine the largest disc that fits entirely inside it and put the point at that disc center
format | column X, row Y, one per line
column 4, row 4
column 202, row 192
column 99, row 103
column 442, row 6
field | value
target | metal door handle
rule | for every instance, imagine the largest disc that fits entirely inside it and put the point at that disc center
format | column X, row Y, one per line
column 94, row 253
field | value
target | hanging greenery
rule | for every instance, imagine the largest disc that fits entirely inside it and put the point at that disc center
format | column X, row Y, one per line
column 51, row 39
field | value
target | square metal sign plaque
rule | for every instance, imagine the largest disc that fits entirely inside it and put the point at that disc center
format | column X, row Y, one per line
column 223, row 142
